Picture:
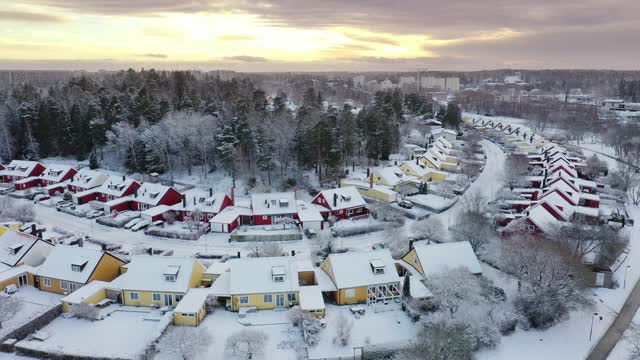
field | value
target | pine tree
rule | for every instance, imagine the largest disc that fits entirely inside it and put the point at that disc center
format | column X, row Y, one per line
column 452, row 117
column 227, row 150
column 266, row 151
column 93, row 161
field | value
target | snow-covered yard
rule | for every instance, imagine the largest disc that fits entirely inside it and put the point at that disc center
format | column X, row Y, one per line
column 382, row 327
column 33, row 304
column 282, row 337
column 123, row 334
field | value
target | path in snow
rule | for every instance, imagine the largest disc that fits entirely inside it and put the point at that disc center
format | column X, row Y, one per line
column 487, row 184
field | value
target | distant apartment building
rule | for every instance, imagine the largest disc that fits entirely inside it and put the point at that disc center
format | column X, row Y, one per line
column 358, row 81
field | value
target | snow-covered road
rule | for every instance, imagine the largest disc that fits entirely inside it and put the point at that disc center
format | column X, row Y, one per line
column 487, row 184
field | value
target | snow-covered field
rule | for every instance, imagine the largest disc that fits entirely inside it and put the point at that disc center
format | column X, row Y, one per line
column 33, row 304
column 123, row 334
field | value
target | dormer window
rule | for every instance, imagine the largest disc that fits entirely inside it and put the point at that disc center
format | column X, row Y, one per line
column 346, row 198
column 377, row 266
column 284, row 202
column 22, row 169
column 171, row 273
column 78, row 266
column 278, row 273
column 86, row 180
column 154, row 195
column 14, row 249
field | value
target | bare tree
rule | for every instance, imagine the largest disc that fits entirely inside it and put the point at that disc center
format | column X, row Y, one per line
column 634, row 344
column 427, row 229
column 343, row 330
column 474, row 227
column 8, row 309
column 453, row 288
column 184, row 342
column 439, row 340
column 85, row 311
column 516, row 168
column 169, row 217
column 265, row 249
column 583, row 238
column 247, row 343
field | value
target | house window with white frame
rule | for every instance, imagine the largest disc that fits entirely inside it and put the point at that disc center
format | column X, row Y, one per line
column 134, row 296
column 155, row 297
column 178, row 298
column 350, row 293
column 64, row 285
column 46, row 282
column 291, row 297
column 531, row 228
column 244, row 299
column 268, row 298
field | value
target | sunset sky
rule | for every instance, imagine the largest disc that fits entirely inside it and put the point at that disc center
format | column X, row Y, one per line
column 319, row 35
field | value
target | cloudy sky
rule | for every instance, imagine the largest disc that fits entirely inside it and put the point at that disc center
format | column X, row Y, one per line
column 320, row 35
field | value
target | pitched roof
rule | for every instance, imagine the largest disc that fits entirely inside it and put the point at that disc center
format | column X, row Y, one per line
column 311, row 298
column 86, row 178
column 436, row 258
column 58, row 264
column 55, row 172
column 392, row 174
column 309, row 212
column 19, row 168
column 150, row 193
column 201, row 200
column 14, row 245
column 147, row 273
column 346, row 197
column 432, row 159
column 255, row 275
column 274, row 203
column 230, row 214
column 115, row 185
column 355, row 269
column 419, row 169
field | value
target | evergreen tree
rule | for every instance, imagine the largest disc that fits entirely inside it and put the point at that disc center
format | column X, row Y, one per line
column 266, row 152
column 226, row 149
column 452, row 117
column 93, row 161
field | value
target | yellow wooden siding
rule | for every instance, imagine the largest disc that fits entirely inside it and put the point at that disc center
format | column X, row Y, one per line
column 93, row 299
column 429, row 164
column 449, row 167
column 55, row 285
column 360, row 296
column 257, row 300
column 15, row 281
column 411, row 258
column 145, row 298
column 319, row 314
column 327, row 268
column 309, row 277
column 196, row 275
column 108, row 268
column 183, row 319
column 438, row 176
column 379, row 179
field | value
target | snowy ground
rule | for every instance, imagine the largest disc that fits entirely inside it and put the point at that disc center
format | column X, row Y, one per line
column 123, row 334
column 33, row 304
column 388, row 328
column 623, row 348
column 281, row 342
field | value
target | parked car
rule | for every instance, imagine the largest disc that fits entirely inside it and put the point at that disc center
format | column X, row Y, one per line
column 94, row 214
column 5, row 191
column 40, row 197
column 63, row 204
column 405, row 204
column 132, row 222
column 311, row 233
column 141, row 225
column 158, row 223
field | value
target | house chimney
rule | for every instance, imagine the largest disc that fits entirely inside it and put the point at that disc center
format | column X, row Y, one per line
column 411, row 244
column 194, row 200
column 417, row 161
column 34, row 231
column 233, row 196
column 293, row 253
column 104, row 247
column 184, row 201
column 238, row 254
column 150, row 251
column 395, row 163
column 335, row 200
column 371, row 182
column 123, row 178
column 210, row 192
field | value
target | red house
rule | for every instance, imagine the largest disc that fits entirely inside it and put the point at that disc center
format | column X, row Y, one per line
column 541, row 218
column 115, row 187
column 208, row 203
column 343, row 203
column 230, row 218
column 86, row 179
column 271, row 208
column 151, row 195
column 21, row 169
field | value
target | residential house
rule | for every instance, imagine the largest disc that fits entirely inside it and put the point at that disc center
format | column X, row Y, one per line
column 21, row 169
column 310, row 215
column 204, row 202
column 115, row 187
column 363, row 277
column 543, row 217
column 272, row 208
column 19, row 254
column 86, row 179
column 432, row 259
column 52, row 179
column 230, row 218
column 342, row 203
column 68, row 268
column 150, row 195
column 416, row 169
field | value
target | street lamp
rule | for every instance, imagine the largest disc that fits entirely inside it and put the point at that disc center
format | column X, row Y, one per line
column 592, row 318
column 624, row 283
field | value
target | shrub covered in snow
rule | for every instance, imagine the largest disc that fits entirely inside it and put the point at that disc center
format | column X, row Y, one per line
column 312, row 327
column 8, row 309
column 85, row 311
column 264, row 249
column 246, row 343
column 295, row 315
column 184, row 342
column 343, row 330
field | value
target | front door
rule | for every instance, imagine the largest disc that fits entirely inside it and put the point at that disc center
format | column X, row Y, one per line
column 23, row 280
column 280, row 300
column 168, row 300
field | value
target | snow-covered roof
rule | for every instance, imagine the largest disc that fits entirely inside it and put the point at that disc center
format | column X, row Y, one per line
column 345, row 198
column 86, row 178
column 436, row 258
column 220, row 286
column 114, row 185
column 14, row 245
column 256, row 275
column 311, row 298
column 274, row 203
column 432, row 159
column 26, row 180
column 417, row 289
column 19, row 168
column 200, row 199
column 445, row 143
column 355, row 269
column 364, row 185
column 55, row 172
column 150, row 193
column 440, row 131
column 230, row 214
column 589, row 211
column 309, row 212
column 87, row 291
column 217, row 268
column 147, row 273
column 156, row 210
column 543, row 218
column 437, row 154
column 15, row 271
column 64, row 262
column 419, row 169
column 392, row 174
column 193, row 300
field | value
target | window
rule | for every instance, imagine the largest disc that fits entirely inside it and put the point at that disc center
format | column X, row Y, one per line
column 155, row 297
column 178, row 298
column 350, row 293
column 170, row 277
column 264, row 217
column 268, row 298
column 278, row 278
column 134, row 296
column 531, row 228
column 291, row 297
column 379, row 271
column 341, row 211
column 189, row 314
column 64, row 285
column 74, row 286
column 46, row 282
column 244, row 299
column 76, row 268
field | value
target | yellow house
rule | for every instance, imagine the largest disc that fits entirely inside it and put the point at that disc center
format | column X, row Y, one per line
column 19, row 276
column 191, row 310
column 158, row 280
column 390, row 176
column 21, row 249
column 363, row 277
column 68, row 268
column 437, row 175
column 91, row 294
column 430, row 259
column 430, row 160
column 416, row 169
column 374, row 191
column 311, row 300
column 213, row 272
